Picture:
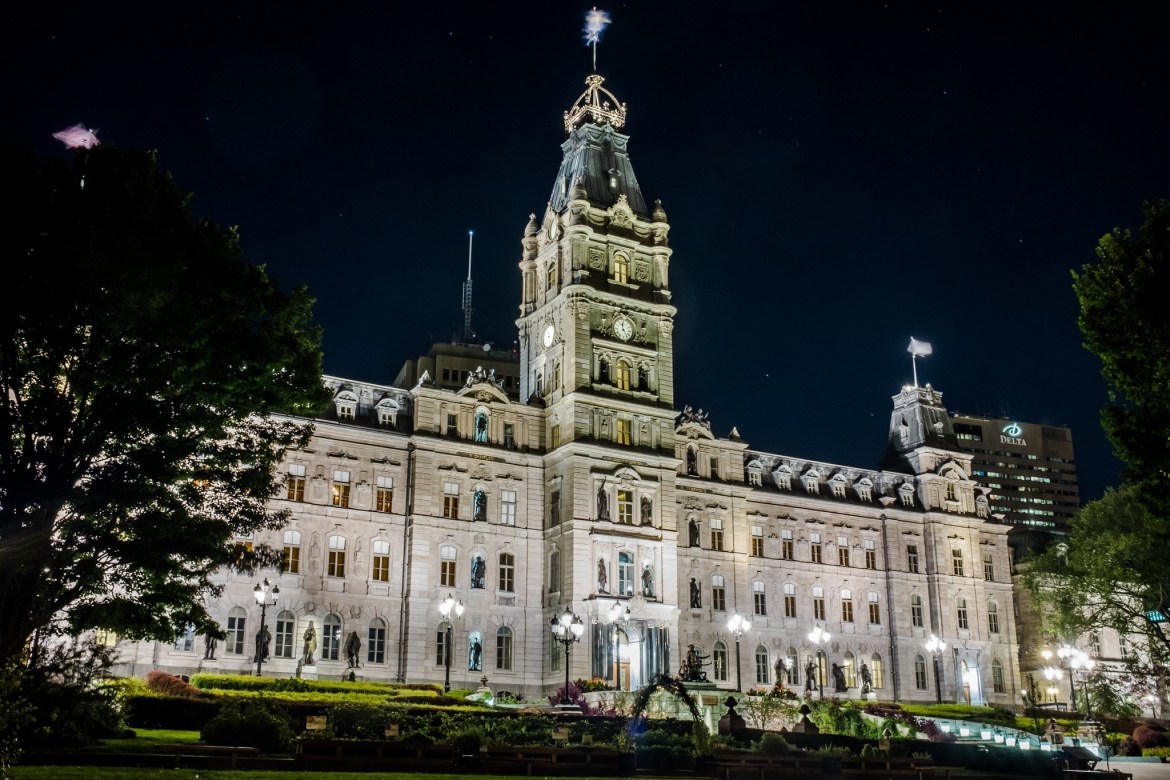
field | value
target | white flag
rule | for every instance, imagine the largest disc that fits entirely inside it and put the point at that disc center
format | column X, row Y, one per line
column 919, row 348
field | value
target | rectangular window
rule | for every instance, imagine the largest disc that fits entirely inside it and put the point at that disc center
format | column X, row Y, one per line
column 875, row 610
column 441, row 647
column 763, row 669
column 757, row 541
column 236, row 625
column 842, row 551
column 997, row 683
column 814, row 548
column 718, row 597
column 376, row 644
column 846, row 606
column 759, row 599
column 384, row 494
column 719, row 659
column 554, row 509
column 818, row 603
column 451, row 499
column 452, row 425
column 336, row 556
column 625, row 507
column 507, row 573
column 870, row 554
column 290, row 554
column 510, row 436
column 961, row 612
column 285, row 626
column 381, row 568
column 713, row 465
column 789, row 600
column 912, row 558
column 916, row 611
column 957, row 563
column 786, row 544
column 296, row 482
column 447, row 567
column 507, row 507
column 920, row 673
column 504, row 650
column 716, row 533
column 624, row 436
column 554, row 437
column 185, row 642
column 988, row 566
column 992, row 619
column 340, row 488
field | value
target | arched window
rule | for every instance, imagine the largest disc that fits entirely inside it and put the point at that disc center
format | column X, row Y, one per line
column 286, row 626
column 719, row 661
column 997, row 683
column 920, row 672
column 602, row 369
column 625, row 574
column 763, row 668
column 877, row 671
column 331, row 638
column 376, row 645
column 622, row 375
column 849, row 666
column 481, row 426
column 236, row 626
column 621, row 269
column 992, row 617
column 504, row 648
column 792, row 667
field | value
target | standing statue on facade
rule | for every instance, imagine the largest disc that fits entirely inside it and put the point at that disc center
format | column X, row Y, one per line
column 866, row 680
column 839, row 679
column 263, row 643
column 479, row 506
column 647, row 583
column 696, row 595
column 353, row 649
column 209, row 652
column 478, row 571
column 692, row 667
column 810, row 676
column 694, row 529
column 310, row 644
column 602, row 578
column 475, row 657
column 647, row 511
column 602, row 504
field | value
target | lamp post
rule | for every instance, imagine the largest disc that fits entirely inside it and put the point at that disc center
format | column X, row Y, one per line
column 935, row 646
column 1052, row 674
column 1072, row 659
column 447, row 607
column 263, row 592
column 567, row 629
column 618, row 613
column 819, row 636
column 737, row 624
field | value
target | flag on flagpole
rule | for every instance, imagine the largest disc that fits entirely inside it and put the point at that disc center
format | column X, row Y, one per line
column 918, row 348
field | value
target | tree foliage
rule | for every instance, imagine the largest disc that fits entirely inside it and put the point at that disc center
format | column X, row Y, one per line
column 1126, row 323
column 142, row 359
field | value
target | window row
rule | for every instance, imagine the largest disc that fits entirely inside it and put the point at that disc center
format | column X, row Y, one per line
column 336, row 557
column 339, row 487
column 505, row 504
column 505, row 647
column 962, row 614
column 958, row 567
column 284, row 643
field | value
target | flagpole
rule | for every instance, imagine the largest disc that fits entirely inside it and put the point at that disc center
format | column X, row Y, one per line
column 914, row 364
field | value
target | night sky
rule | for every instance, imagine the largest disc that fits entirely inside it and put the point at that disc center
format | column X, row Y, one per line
column 839, row 177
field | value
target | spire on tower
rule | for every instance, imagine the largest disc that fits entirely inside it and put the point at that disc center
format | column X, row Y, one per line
column 468, row 333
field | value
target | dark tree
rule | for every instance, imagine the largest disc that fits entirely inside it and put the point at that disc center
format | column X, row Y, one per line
column 144, row 364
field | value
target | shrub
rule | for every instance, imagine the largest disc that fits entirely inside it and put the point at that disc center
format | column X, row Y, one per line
column 468, row 741
column 255, row 723
column 170, row 685
column 167, row 712
column 773, row 744
column 357, row 721
column 1146, row 737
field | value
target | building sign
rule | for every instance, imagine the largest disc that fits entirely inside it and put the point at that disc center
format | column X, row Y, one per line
column 1012, row 433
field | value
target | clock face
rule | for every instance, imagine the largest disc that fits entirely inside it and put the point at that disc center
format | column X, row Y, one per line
column 550, row 333
column 623, row 329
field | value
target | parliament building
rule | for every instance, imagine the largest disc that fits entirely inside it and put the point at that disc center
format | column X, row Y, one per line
column 567, row 477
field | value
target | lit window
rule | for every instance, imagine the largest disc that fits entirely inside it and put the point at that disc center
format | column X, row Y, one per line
column 451, row 499
column 554, row 437
column 447, row 566
column 849, row 667
column 875, row 610
column 716, row 533
column 621, row 269
column 336, row 556
column 625, row 507
column 290, row 554
column 625, row 432
column 481, row 426
column 622, row 375
column 818, row 603
column 296, row 482
column 789, row 600
column 877, row 672
column 340, row 488
column 757, row 541
column 507, row 507
column 504, row 648
column 376, row 642
column 384, row 494
column 507, row 573
column 847, row 606
column 759, row 598
column 381, row 569
column 916, row 611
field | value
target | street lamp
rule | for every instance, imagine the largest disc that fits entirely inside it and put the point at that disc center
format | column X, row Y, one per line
column 737, row 624
column 935, row 646
column 1052, row 674
column 263, row 591
column 567, row 629
column 618, row 613
column 819, row 636
column 447, row 607
column 1073, row 659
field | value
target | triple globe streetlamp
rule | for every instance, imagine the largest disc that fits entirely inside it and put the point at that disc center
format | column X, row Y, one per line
column 263, row 592
column 935, row 647
column 567, row 629
column 449, row 607
column 1071, row 659
column 737, row 624
column 619, row 616
column 819, row 636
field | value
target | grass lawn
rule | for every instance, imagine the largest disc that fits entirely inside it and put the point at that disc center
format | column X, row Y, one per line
column 147, row 741
column 117, row 773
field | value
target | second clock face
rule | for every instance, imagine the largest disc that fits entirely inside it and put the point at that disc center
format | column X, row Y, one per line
column 550, row 333
column 623, row 329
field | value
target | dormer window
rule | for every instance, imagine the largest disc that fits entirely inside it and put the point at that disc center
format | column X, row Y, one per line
column 387, row 413
column 864, row 490
column 838, row 486
column 812, row 483
column 346, row 403
column 621, row 269
column 906, row 493
column 783, row 477
column 755, row 474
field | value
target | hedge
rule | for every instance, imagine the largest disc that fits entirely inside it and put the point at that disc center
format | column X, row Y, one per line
column 232, row 682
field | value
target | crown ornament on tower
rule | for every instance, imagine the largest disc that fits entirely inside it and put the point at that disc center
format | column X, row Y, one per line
column 597, row 105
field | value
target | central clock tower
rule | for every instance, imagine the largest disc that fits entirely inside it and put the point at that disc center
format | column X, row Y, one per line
column 596, row 352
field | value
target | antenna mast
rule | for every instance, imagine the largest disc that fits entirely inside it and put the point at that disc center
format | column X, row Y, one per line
column 468, row 336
